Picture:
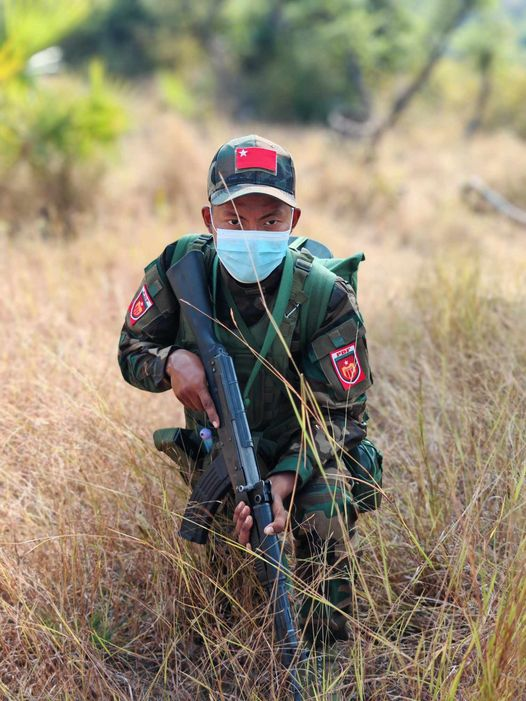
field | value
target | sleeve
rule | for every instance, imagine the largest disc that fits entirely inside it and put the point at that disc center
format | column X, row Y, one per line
column 150, row 328
column 336, row 367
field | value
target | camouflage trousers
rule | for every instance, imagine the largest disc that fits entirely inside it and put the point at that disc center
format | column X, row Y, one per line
column 324, row 529
column 323, row 517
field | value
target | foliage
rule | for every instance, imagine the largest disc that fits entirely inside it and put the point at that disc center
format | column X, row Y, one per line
column 59, row 125
column 49, row 128
column 288, row 60
column 330, row 51
column 121, row 32
column 28, row 26
column 177, row 94
column 507, row 107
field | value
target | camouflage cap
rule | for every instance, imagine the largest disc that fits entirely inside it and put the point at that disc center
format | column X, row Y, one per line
column 251, row 164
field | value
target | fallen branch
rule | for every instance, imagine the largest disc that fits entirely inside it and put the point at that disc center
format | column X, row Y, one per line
column 351, row 128
column 492, row 197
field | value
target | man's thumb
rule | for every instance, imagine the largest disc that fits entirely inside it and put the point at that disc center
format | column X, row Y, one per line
column 277, row 525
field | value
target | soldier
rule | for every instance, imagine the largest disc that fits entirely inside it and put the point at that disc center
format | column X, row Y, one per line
column 250, row 215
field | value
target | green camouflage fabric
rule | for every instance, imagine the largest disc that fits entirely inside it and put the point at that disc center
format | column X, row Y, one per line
column 323, row 512
column 324, row 528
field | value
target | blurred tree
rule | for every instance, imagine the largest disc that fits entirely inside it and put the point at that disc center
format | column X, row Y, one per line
column 49, row 128
column 488, row 43
column 191, row 46
column 448, row 15
column 28, row 26
column 237, row 50
column 304, row 58
column 122, row 33
column 307, row 60
column 180, row 39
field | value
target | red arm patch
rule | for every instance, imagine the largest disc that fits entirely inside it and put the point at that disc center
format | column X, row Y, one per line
column 347, row 366
column 140, row 305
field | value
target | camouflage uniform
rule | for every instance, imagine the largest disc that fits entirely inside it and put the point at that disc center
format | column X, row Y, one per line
column 323, row 511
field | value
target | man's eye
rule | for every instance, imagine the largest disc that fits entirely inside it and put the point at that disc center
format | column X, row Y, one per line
column 272, row 222
column 233, row 222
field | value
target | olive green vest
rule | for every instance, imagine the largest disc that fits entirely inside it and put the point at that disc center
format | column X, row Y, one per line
column 261, row 383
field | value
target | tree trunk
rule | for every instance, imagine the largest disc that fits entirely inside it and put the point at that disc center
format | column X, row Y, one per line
column 485, row 89
column 403, row 100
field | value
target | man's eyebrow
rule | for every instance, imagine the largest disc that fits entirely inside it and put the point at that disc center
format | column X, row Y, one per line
column 277, row 210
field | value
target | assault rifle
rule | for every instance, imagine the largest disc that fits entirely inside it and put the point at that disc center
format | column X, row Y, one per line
column 236, row 466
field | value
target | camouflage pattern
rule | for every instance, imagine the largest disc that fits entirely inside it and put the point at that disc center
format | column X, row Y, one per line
column 324, row 528
column 225, row 182
column 324, row 514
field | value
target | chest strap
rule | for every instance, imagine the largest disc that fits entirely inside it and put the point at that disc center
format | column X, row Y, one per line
column 282, row 320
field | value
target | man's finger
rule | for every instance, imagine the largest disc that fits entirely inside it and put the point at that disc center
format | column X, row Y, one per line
column 244, row 531
column 190, row 403
column 238, row 509
column 209, row 407
column 241, row 513
column 277, row 525
column 243, row 523
column 189, row 400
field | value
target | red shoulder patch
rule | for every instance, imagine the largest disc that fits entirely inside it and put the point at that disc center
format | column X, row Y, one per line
column 347, row 366
column 140, row 305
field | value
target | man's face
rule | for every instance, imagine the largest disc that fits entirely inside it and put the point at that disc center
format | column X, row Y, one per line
column 255, row 212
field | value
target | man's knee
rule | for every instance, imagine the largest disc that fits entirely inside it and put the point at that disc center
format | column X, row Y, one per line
column 325, row 507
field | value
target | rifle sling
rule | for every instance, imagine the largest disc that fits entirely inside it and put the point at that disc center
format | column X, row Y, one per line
column 276, row 317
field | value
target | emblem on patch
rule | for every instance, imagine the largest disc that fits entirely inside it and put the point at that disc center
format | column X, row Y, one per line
column 140, row 305
column 347, row 366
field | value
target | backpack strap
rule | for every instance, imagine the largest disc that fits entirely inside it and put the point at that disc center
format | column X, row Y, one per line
column 315, row 248
column 319, row 287
column 286, row 314
column 190, row 242
column 298, row 242
column 291, row 318
column 318, row 290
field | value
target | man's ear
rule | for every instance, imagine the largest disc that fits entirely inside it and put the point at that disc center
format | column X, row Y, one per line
column 296, row 216
column 207, row 218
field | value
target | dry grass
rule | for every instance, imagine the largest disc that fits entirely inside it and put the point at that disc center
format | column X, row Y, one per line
column 98, row 597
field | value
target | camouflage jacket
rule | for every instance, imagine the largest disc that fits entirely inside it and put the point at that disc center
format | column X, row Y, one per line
column 337, row 371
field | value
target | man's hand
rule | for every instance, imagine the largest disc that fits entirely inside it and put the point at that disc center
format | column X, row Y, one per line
column 187, row 375
column 282, row 485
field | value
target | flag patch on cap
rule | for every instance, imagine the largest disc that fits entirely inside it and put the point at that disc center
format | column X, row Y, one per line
column 256, row 157
column 140, row 305
column 347, row 366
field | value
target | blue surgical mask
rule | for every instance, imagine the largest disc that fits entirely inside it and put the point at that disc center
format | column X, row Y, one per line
column 250, row 256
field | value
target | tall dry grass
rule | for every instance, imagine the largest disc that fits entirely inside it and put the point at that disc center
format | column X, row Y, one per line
column 99, row 599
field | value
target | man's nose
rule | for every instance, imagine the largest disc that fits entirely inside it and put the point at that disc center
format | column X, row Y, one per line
column 251, row 224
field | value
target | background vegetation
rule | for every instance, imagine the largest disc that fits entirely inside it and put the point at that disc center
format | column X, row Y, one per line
column 105, row 140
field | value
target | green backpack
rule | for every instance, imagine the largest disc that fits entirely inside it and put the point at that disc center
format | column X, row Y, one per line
column 365, row 461
column 318, row 286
